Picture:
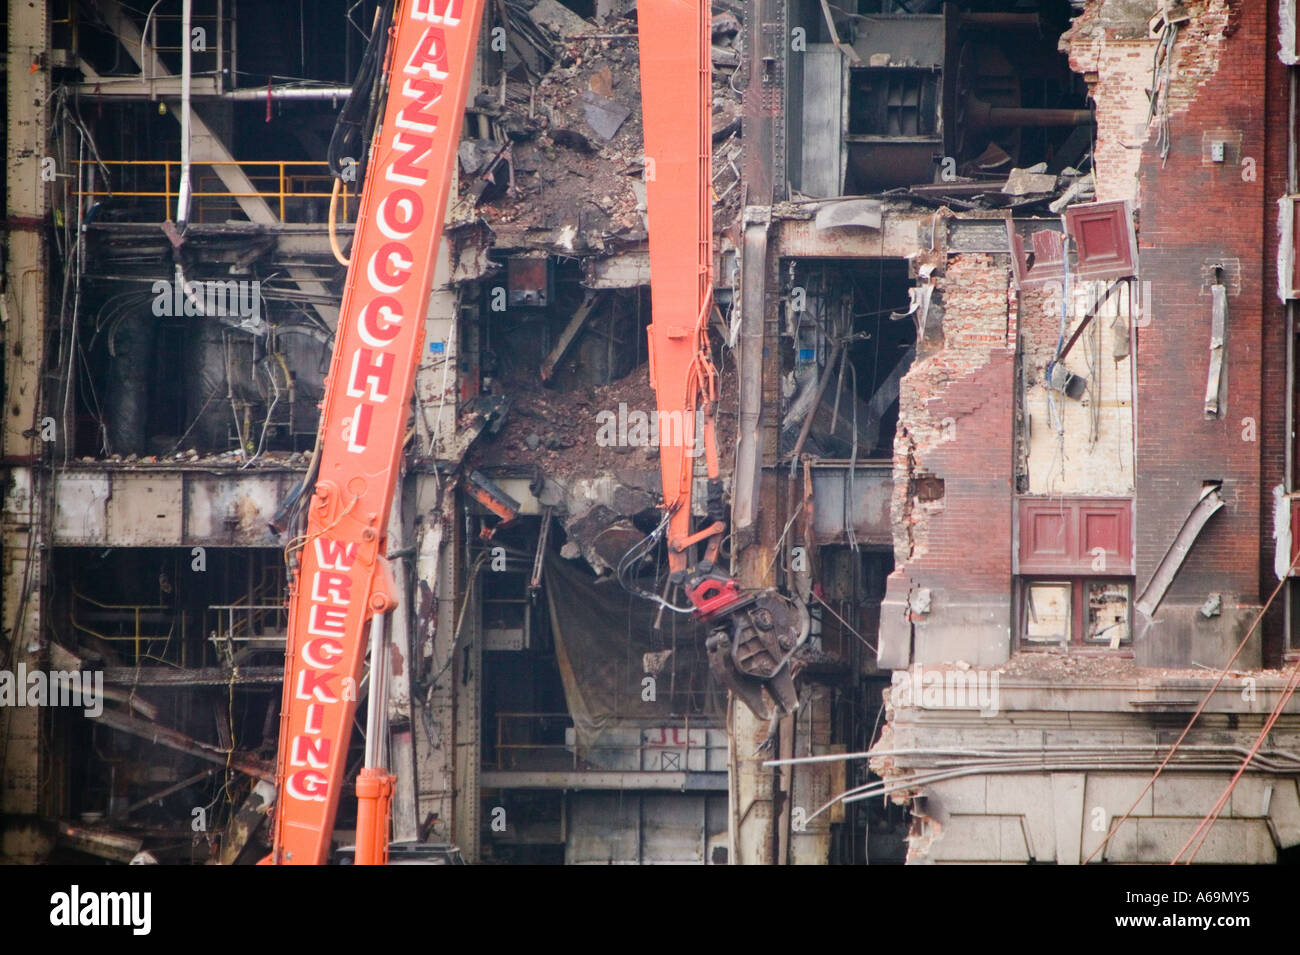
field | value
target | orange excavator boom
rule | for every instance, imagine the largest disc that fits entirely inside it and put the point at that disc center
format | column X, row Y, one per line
column 757, row 635
column 341, row 582
column 676, row 98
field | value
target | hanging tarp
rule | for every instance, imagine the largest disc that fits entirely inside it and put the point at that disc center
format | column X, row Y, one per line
column 602, row 636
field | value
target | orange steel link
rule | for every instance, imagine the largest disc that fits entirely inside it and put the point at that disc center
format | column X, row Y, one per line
column 341, row 580
column 676, row 100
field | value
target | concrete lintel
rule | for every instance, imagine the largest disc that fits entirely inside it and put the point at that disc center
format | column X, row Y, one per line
column 168, row 507
column 625, row 270
column 585, row 779
column 899, row 236
column 199, row 676
column 1125, row 698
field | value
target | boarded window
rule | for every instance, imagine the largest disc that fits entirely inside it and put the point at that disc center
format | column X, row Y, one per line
column 1288, row 283
column 1083, row 611
column 1287, row 49
column 1075, row 536
column 1104, row 240
column 1048, row 612
column 1106, row 604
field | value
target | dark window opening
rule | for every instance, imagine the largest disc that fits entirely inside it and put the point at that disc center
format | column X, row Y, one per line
column 153, row 623
column 523, row 827
column 151, row 385
column 893, row 102
column 849, row 586
column 138, row 606
column 281, row 158
column 955, row 92
column 846, row 609
column 280, row 144
column 540, row 326
column 583, row 8
column 838, row 328
column 284, row 39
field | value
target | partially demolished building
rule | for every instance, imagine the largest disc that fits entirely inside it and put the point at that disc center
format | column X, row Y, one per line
column 1005, row 333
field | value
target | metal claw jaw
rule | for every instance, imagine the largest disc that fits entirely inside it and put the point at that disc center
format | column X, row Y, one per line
column 754, row 646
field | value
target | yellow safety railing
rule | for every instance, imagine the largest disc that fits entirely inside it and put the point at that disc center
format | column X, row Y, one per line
column 134, row 615
column 285, row 181
column 262, row 626
column 510, row 750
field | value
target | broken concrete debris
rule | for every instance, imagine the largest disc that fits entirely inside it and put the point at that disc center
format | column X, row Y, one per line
column 603, row 114
column 559, row 19
column 1022, row 182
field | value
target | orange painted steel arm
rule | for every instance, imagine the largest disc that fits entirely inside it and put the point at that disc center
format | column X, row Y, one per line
column 676, row 98
column 340, row 581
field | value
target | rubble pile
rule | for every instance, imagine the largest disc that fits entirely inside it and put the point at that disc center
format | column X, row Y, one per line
column 226, row 459
column 561, row 432
column 560, row 147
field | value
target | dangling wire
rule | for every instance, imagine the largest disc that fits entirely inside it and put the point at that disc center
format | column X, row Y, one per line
column 634, row 554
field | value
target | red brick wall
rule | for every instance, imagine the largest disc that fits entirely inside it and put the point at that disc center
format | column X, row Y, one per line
column 1195, row 212
column 956, row 423
column 1273, row 415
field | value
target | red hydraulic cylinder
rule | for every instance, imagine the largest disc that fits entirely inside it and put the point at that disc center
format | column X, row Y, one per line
column 374, row 802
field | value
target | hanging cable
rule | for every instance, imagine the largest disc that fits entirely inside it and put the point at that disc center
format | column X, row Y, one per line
column 640, row 550
column 187, row 75
column 349, row 141
column 334, row 240
column 1202, row 831
column 1223, row 673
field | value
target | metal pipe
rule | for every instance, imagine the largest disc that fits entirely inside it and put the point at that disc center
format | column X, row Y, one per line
column 183, row 196
column 749, row 353
column 221, row 50
column 290, row 93
column 374, row 783
column 816, row 403
column 376, row 702
column 1026, row 116
column 884, row 787
column 982, row 114
column 1007, row 21
column 1288, row 477
column 234, row 41
column 1013, row 751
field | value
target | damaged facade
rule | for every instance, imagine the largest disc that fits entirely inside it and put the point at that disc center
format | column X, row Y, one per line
column 1004, row 339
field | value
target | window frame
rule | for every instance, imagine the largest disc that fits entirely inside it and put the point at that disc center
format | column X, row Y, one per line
column 1077, row 641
